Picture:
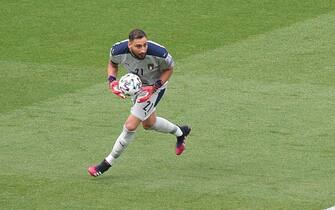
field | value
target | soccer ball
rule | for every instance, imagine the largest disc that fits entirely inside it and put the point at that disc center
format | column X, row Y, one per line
column 130, row 84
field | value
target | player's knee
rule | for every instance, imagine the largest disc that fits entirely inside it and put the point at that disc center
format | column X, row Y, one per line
column 147, row 126
column 149, row 123
column 130, row 126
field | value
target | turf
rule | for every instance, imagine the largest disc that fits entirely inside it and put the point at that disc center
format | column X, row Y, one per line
column 255, row 81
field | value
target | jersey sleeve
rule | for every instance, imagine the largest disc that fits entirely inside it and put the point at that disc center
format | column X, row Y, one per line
column 161, row 54
column 118, row 51
column 115, row 59
column 167, row 62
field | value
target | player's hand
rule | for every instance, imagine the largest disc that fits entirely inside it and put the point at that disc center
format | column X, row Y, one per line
column 114, row 87
column 148, row 90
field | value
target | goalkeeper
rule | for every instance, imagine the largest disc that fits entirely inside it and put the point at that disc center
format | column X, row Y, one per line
column 154, row 65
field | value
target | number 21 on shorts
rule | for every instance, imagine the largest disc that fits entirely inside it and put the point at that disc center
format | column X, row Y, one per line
column 148, row 107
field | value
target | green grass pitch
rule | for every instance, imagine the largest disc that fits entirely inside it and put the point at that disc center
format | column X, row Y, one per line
column 255, row 80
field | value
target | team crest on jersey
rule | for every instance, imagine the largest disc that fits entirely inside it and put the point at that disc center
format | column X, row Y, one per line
column 150, row 66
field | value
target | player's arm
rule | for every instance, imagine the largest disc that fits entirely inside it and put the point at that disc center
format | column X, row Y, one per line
column 168, row 65
column 112, row 70
column 164, row 77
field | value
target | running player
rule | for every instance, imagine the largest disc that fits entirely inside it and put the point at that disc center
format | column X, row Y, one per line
column 154, row 65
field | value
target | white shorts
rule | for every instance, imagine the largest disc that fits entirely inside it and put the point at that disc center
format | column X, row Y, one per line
column 143, row 110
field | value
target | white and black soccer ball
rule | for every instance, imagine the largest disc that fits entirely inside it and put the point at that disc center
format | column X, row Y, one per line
column 130, row 84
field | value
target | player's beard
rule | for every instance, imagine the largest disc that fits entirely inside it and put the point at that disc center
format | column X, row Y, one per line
column 141, row 55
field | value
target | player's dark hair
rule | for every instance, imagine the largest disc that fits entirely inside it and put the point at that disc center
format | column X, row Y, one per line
column 136, row 34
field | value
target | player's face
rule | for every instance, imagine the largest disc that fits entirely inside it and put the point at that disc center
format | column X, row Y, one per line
column 139, row 47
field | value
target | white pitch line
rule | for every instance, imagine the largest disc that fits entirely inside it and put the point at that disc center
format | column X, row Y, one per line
column 331, row 208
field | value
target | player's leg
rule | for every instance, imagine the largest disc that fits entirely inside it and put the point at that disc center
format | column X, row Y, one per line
column 126, row 136
column 146, row 112
column 121, row 143
column 161, row 125
column 164, row 126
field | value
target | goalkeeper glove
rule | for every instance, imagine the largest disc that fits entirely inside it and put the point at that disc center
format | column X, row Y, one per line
column 149, row 90
column 114, row 87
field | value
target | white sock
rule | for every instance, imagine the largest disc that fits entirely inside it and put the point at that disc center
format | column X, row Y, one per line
column 164, row 126
column 120, row 145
